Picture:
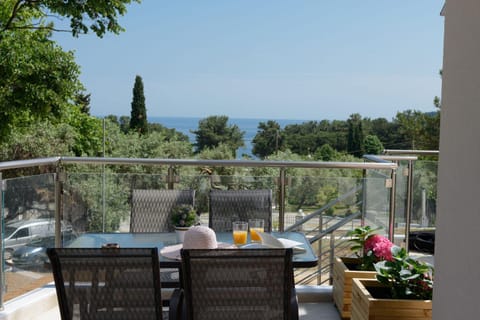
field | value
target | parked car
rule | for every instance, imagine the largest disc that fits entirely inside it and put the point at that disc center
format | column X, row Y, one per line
column 19, row 233
column 34, row 253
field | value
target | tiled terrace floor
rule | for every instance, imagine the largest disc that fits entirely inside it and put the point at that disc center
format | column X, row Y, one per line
column 315, row 303
column 22, row 282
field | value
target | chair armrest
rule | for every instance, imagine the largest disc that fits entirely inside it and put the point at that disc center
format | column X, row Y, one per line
column 176, row 305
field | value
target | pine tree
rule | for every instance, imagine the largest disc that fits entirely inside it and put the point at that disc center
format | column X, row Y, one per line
column 138, row 119
column 214, row 131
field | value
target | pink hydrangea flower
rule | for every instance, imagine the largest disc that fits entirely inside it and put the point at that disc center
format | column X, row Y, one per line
column 379, row 246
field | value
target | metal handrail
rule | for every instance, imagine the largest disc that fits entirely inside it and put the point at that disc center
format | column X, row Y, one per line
column 414, row 152
column 230, row 163
column 17, row 164
column 392, row 157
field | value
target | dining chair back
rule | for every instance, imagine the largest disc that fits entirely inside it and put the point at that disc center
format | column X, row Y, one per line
column 110, row 283
column 227, row 206
column 238, row 284
column 151, row 208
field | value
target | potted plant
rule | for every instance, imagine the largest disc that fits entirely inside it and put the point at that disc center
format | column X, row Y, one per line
column 403, row 290
column 183, row 217
column 368, row 248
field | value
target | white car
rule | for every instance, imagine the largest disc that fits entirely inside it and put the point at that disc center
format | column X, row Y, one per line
column 19, row 233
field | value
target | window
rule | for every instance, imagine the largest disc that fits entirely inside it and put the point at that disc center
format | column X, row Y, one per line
column 22, row 233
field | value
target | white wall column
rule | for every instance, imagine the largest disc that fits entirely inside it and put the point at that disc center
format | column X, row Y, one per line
column 457, row 251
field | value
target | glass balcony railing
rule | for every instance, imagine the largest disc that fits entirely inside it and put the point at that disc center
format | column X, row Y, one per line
column 324, row 200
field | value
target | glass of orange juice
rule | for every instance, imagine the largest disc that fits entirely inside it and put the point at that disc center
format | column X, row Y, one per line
column 256, row 226
column 240, row 229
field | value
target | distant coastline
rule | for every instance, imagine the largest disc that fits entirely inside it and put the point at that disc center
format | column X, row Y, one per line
column 250, row 126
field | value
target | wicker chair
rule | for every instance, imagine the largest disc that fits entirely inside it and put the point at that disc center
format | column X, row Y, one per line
column 113, row 283
column 151, row 208
column 227, row 206
column 236, row 284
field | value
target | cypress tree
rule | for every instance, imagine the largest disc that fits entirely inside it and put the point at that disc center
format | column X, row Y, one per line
column 138, row 119
column 355, row 135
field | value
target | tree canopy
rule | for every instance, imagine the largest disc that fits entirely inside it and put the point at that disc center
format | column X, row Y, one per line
column 268, row 140
column 215, row 130
column 356, row 135
column 97, row 16
column 372, row 145
column 38, row 79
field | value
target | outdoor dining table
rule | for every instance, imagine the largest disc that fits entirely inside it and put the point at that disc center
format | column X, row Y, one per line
column 301, row 259
column 170, row 276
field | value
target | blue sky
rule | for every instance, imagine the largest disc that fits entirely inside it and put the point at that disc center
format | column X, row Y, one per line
column 271, row 59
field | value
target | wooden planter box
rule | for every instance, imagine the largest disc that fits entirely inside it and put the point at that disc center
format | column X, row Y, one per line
column 342, row 283
column 366, row 307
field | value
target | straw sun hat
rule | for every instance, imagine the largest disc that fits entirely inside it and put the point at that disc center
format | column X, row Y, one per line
column 197, row 237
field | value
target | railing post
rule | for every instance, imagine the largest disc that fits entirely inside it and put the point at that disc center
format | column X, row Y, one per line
column 60, row 178
column 332, row 257
column 391, row 220
column 409, row 203
column 170, row 178
column 364, row 197
column 320, row 250
column 281, row 200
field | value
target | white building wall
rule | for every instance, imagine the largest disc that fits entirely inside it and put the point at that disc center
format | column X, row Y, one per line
column 457, row 252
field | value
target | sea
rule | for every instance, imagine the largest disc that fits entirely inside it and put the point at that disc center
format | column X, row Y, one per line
column 249, row 126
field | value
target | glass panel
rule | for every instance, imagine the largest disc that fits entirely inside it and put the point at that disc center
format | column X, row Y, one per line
column 95, row 202
column 377, row 200
column 309, row 194
column 401, row 199
column 98, row 199
column 424, row 194
column 401, row 202
column 29, row 228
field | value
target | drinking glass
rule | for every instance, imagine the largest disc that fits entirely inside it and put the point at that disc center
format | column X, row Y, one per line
column 256, row 226
column 240, row 229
